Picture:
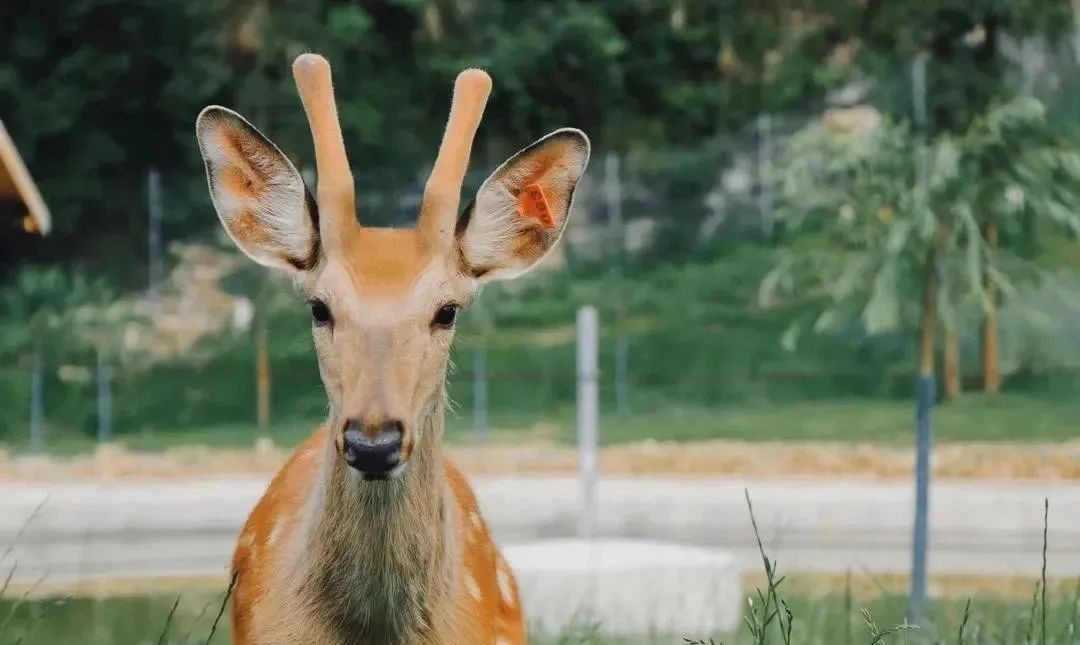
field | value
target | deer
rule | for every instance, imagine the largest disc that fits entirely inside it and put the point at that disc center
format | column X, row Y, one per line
column 369, row 534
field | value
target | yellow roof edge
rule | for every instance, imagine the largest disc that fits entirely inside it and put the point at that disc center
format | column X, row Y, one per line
column 24, row 183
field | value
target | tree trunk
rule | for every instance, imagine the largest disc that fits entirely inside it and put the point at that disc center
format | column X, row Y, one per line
column 262, row 375
column 991, row 371
column 104, row 398
column 951, row 364
column 928, row 320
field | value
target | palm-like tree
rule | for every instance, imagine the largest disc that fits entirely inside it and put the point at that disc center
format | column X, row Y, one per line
column 906, row 234
column 1016, row 171
column 867, row 216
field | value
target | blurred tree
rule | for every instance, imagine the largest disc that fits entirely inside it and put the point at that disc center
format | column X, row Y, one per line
column 868, row 216
column 967, row 67
column 885, row 222
column 264, row 290
column 1016, row 170
column 967, row 72
column 39, row 316
column 95, row 92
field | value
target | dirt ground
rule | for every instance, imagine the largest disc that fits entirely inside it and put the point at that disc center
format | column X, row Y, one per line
column 1058, row 461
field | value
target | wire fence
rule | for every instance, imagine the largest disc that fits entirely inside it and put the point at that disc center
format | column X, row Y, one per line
column 506, row 386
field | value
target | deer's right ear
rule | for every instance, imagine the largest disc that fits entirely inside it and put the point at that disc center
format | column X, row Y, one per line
column 258, row 194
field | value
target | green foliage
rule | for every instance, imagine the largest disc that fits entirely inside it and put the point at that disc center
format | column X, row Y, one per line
column 1041, row 334
column 94, row 93
column 867, row 207
column 963, row 42
column 44, row 306
column 853, row 194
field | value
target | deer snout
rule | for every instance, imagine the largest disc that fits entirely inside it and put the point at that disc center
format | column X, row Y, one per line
column 373, row 450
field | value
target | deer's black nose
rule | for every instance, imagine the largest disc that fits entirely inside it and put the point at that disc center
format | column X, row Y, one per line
column 373, row 451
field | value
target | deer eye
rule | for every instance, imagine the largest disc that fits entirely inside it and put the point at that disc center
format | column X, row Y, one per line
column 320, row 313
column 445, row 316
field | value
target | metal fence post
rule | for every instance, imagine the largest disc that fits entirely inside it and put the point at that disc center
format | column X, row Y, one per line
column 587, row 415
column 613, row 202
column 924, row 401
column 37, row 402
column 154, row 215
column 764, row 151
column 480, row 422
column 924, row 396
column 104, row 398
column 262, row 372
column 622, row 375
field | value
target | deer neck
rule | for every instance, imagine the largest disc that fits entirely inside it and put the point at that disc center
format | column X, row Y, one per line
column 380, row 553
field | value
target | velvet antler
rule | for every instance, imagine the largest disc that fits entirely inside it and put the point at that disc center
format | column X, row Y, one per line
column 336, row 192
column 442, row 195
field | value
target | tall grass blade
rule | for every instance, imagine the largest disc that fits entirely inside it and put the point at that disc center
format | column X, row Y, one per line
column 168, row 621
column 847, row 607
column 964, row 622
column 1046, row 526
column 22, row 529
column 1030, row 634
column 221, row 609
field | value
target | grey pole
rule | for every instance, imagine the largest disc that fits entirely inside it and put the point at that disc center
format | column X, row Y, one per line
column 154, row 210
column 104, row 398
column 37, row 401
column 613, row 202
column 613, row 199
column 480, row 422
column 587, row 415
column 765, row 197
column 924, row 401
column 622, row 371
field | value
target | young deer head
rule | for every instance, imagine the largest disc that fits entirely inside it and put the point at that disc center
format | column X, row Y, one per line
column 383, row 301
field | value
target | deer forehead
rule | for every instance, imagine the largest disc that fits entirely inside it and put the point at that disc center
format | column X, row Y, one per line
column 390, row 273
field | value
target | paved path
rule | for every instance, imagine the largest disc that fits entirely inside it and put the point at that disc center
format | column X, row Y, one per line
column 183, row 528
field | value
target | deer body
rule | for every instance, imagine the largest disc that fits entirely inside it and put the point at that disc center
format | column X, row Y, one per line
column 460, row 592
column 368, row 535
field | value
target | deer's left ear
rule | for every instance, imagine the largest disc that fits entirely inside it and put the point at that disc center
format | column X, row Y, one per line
column 521, row 210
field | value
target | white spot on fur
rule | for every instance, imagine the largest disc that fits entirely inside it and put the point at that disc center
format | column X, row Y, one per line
column 474, row 517
column 506, row 587
column 275, row 533
column 473, row 588
column 247, row 539
column 502, row 641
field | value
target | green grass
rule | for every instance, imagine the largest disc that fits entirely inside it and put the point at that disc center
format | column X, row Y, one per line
column 818, row 620
column 823, row 620
column 1011, row 417
column 974, row 418
column 130, row 620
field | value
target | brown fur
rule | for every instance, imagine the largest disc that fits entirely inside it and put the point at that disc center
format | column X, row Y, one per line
column 403, row 561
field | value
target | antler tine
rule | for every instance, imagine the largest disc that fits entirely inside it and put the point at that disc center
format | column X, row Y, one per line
column 442, row 195
column 336, row 192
